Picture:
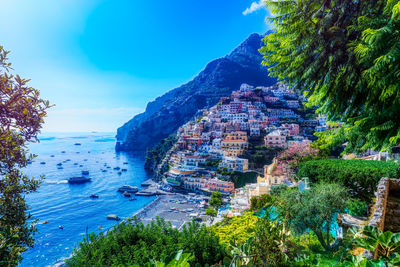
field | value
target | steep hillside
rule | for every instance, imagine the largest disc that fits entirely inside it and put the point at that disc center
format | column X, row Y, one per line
column 220, row 77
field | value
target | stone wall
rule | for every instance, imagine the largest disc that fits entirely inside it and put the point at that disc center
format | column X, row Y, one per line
column 378, row 219
column 387, row 207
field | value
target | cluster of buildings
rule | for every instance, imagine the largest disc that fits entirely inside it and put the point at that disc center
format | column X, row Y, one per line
column 219, row 137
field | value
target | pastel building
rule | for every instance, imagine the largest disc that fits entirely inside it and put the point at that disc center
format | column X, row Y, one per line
column 275, row 139
column 234, row 143
column 224, row 187
column 235, row 164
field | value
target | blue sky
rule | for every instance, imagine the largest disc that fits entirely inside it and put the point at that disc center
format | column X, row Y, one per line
column 101, row 61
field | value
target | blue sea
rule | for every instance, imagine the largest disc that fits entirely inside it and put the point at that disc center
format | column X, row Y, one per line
column 69, row 206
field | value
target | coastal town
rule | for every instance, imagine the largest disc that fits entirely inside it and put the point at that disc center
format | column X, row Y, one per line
column 213, row 146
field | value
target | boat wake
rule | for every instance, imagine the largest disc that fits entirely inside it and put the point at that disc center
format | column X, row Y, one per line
column 56, row 182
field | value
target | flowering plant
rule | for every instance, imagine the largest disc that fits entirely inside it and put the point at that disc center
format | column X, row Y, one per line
column 294, row 155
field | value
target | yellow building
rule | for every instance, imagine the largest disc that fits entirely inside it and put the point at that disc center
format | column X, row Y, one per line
column 274, row 174
column 234, row 143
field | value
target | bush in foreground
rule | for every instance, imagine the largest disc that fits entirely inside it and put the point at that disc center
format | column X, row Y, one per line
column 127, row 244
column 360, row 176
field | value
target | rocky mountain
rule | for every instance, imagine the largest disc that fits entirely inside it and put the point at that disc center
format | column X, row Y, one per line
column 167, row 113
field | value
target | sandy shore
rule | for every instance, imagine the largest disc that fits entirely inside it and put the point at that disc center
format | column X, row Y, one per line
column 173, row 208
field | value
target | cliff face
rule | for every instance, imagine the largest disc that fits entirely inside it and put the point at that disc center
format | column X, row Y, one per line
column 168, row 112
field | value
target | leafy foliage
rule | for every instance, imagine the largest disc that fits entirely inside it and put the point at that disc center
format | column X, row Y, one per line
column 179, row 260
column 313, row 209
column 211, row 212
column 21, row 118
column 277, row 189
column 236, row 230
column 385, row 244
column 216, row 199
column 240, row 179
column 344, row 56
column 357, row 207
column 257, row 203
column 156, row 155
column 128, row 244
column 268, row 243
column 360, row 176
column 296, row 154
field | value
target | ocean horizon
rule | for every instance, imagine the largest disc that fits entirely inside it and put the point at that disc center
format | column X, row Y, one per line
column 65, row 212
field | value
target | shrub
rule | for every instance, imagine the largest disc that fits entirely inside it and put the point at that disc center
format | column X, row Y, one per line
column 360, row 176
column 240, row 179
column 277, row 190
column 236, row 230
column 211, row 212
column 127, row 244
column 357, row 207
column 216, row 199
column 257, row 203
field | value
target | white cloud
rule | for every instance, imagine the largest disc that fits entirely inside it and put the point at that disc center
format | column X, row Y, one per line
column 254, row 7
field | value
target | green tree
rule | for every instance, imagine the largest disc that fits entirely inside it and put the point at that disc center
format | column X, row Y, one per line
column 313, row 209
column 21, row 118
column 344, row 56
column 211, row 212
column 216, row 199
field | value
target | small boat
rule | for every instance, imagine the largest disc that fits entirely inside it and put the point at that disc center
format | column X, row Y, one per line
column 59, row 164
column 60, row 167
column 45, row 222
column 42, row 162
column 63, row 152
column 126, row 194
column 80, row 165
column 94, row 196
column 117, row 168
column 52, row 156
column 61, row 227
column 125, row 163
column 101, row 228
column 75, row 163
column 85, row 160
column 128, row 188
column 132, row 198
column 77, row 144
column 78, row 180
column 119, row 173
column 104, row 170
column 108, row 167
column 85, row 172
column 124, row 170
column 113, row 217
column 78, row 152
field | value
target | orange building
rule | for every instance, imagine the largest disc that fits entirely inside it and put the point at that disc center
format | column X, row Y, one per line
column 221, row 186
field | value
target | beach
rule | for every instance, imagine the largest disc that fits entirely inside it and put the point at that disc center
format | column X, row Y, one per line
column 176, row 208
